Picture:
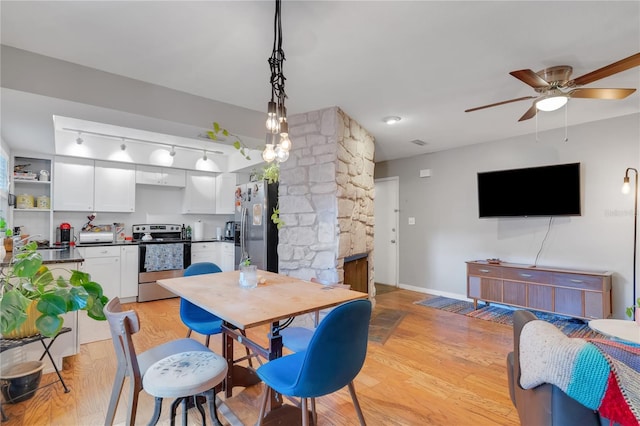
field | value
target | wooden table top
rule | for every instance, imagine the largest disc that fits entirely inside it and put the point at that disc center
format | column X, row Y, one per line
column 279, row 297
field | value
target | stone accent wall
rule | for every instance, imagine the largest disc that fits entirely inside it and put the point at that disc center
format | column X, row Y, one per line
column 326, row 196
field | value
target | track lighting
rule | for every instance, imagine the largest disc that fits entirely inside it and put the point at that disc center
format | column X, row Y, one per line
column 123, row 147
column 204, row 155
column 173, row 151
column 79, row 139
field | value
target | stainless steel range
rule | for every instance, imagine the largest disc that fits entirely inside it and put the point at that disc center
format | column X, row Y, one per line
column 163, row 253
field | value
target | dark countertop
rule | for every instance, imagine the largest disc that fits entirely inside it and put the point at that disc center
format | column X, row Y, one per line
column 127, row 243
column 55, row 255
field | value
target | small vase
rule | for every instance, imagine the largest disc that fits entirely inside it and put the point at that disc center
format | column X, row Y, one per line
column 27, row 328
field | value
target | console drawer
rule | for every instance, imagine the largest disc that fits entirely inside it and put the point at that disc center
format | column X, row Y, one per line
column 585, row 282
column 531, row 275
column 484, row 270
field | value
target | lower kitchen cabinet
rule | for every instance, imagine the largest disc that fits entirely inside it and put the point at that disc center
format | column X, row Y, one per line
column 220, row 253
column 128, row 273
column 103, row 264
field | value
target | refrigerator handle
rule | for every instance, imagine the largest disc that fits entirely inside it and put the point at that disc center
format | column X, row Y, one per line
column 243, row 233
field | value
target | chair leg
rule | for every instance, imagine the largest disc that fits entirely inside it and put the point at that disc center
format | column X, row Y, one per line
column 118, row 383
column 314, row 415
column 174, row 409
column 206, row 340
column 157, row 408
column 185, row 408
column 189, row 333
column 200, row 410
column 135, row 387
column 213, row 411
column 305, row 412
column 352, row 391
column 263, row 404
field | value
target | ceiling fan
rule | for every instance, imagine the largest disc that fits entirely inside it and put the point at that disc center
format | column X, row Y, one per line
column 555, row 86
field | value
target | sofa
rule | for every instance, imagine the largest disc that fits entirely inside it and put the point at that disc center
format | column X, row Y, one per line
column 546, row 404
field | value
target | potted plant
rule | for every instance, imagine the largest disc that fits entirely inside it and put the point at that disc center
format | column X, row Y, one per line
column 29, row 288
column 631, row 310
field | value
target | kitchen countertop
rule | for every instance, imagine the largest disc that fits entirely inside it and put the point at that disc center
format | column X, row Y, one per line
column 123, row 243
column 49, row 256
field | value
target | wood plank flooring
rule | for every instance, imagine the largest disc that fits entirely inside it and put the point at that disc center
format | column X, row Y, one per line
column 437, row 368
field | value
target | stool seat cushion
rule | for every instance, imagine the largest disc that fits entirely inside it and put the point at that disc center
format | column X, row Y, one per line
column 185, row 374
column 149, row 357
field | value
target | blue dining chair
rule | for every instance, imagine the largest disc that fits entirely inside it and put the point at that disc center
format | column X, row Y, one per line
column 194, row 317
column 332, row 360
column 199, row 320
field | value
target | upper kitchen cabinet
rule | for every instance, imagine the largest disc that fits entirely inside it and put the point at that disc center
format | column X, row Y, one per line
column 31, row 184
column 86, row 185
column 149, row 175
column 115, row 187
column 225, row 193
column 200, row 193
column 73, row 184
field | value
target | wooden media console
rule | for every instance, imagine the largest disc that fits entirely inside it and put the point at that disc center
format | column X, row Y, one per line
column 581, row 294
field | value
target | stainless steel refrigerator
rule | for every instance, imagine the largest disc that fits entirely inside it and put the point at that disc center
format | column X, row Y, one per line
column 256, row 235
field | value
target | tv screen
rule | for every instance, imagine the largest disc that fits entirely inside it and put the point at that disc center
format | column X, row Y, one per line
column 534, row 191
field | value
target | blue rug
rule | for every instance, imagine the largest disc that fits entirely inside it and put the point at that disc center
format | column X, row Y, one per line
column 572, row 327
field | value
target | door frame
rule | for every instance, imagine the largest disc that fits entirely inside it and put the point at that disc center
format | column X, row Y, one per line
column 396, row 180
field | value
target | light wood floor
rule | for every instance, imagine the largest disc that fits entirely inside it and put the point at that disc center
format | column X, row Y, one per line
column 437, row 368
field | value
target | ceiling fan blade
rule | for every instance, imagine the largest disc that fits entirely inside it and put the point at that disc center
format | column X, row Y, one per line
column 531, row 78
column 600, row 93
column 500, row 103
column 614, row 68
column 531, row 112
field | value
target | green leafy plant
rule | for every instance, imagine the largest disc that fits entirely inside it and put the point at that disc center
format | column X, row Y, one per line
column 26, row 279
column 275, row 218
column 237, row 143
column 631, row 309
column 245, row 262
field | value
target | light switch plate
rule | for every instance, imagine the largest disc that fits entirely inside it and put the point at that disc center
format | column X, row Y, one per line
column 412, row 221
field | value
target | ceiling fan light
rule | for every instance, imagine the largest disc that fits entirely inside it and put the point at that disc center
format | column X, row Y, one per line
column 551, row 103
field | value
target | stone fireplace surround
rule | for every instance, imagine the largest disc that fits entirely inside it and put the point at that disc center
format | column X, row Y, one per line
column 326, row 197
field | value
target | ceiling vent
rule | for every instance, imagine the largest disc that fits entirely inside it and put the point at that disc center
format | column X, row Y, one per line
column 418, row 142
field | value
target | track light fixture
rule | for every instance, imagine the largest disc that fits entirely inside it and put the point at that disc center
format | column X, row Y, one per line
column 277, row 148
column 173, row 151
column 204, row 155
column 79, row 139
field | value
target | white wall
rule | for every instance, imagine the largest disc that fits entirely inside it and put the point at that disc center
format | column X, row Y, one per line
column 448, row 231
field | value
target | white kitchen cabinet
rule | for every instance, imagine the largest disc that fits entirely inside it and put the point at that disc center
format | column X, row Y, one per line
column 115, row 187
column 227, row 256
column 150, row 175
column 128, row 273
column 103, row 264
column 73, row 184
column 206, row 252
column 225, row 193
column 35, row 220
column 200, row 193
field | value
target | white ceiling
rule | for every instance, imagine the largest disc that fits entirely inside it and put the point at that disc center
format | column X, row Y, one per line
column 425, row 61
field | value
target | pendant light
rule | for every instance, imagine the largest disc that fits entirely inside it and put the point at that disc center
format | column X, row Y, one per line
column 278, row 143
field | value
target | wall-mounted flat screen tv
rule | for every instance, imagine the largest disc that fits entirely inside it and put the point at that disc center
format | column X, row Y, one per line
column 535, row 191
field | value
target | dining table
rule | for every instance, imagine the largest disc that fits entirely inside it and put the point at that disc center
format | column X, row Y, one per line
column 275, row 301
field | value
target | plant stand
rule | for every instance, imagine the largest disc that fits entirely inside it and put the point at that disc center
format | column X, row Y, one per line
column 6, row 344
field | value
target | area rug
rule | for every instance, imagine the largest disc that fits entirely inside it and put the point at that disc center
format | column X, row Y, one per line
column 383, row 323
column 572, row 327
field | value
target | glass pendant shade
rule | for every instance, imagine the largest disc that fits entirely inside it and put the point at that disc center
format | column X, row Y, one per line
column 285, row 142
column 269, row 154
column 281, row 154
column 626, row 186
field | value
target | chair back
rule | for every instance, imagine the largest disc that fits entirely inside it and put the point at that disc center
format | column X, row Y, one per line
column 201, row 268
column 188, row 309
column 336, row 351
column 123, row 325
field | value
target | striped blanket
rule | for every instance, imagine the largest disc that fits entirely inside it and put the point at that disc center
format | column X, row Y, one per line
column 603, row 375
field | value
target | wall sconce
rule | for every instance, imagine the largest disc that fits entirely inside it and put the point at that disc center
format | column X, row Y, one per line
column 626, row 188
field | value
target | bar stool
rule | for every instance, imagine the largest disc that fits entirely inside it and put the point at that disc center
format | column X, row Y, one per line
column 184, row 376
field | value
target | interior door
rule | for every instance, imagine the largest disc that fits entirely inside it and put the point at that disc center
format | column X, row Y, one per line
column 386, row 231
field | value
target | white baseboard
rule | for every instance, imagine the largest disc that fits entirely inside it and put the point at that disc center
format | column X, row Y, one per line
column 434, row 292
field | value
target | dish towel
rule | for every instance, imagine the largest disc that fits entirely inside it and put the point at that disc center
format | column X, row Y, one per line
column 163, row 257
column 603, row 375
